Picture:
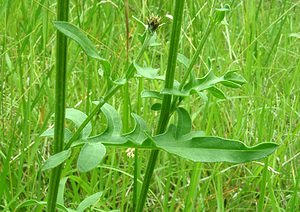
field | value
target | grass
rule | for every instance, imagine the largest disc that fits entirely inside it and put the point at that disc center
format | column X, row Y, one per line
column 255, row 42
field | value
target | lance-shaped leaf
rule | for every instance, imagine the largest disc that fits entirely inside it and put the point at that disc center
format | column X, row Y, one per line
column 112, row 133
column 151, row 94
column 146, row 72
column 137, row 135
column 90, row 156
column 196, row 147
column 50, row 133
column 208, row 82
column 79, row 37
column 35, row 203
column 89, row 201
column 56, row 159
column 77, row 117
column 215, row 149
column 183, row 60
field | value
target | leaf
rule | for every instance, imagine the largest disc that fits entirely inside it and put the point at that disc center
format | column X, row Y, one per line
column 112, row 133
column 156, row 106
column 50, row 133
column 235, row 78
column 151, row 94
column 215, row 149
column 195, row 146
column 217, row 92
column 183, row 60
column 77, row 117
column 90, row 156
column 61, row 190
column 56, row 159
column 146, row 72
column 89, row 201
column 184, row 123
column 208, row 82
column 33, row 202
column 179, row 140
column 137, row 135
column 79, row 37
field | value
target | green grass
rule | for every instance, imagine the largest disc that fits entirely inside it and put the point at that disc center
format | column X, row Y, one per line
column 255, row 42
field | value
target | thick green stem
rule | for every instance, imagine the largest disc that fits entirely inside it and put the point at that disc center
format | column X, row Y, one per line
column 165, row 111
column 60, row 87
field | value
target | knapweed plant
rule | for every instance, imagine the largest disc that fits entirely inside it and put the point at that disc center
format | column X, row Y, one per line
column 176, row 138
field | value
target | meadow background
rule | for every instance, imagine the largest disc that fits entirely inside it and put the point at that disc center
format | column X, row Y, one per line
column 260, row 39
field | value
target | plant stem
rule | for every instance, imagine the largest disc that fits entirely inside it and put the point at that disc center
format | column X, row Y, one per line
column 60, row 87
column 165, row 111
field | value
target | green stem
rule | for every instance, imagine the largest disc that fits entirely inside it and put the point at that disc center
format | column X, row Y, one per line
column 60, row 87
column 165, row 111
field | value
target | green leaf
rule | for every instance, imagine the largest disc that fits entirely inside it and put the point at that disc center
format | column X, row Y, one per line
column 56, row 159
column 50, row 133
column 235, row 78
column 61, row 190
column 79, row 37
column 89, row 201
column 208, row 82
column 174, row 92
column 151, row 94
column 183, row 60
column 215, row 149
column 184, row 123
column 112, row 133
column 77, row 117
column 33, row 203
column 217, row 92
column 156, row 106
column 137, row 135
column 179, row 140
column 90, row 156
column 146, row 72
